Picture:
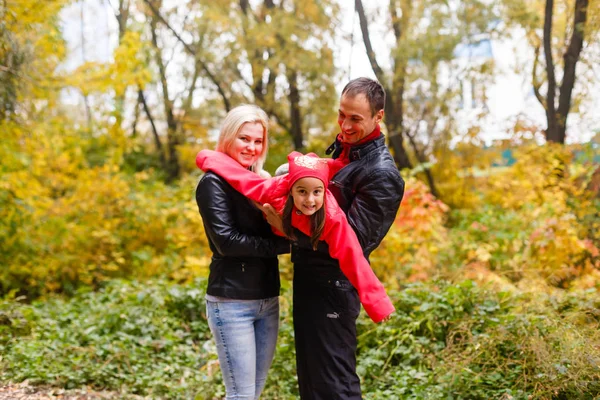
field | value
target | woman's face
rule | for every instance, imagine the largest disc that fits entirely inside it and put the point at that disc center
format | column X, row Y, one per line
column 308, row 194
column 248, row 144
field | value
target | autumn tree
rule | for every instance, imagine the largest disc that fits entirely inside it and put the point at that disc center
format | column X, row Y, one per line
column 28, row 55
column 31, row 48
column 558, row 32
column 179, row 66
column 12, row 57
column 286, row 44
column 272, row 53
column 421, row 80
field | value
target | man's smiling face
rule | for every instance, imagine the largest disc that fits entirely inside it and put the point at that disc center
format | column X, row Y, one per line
column 355, row 118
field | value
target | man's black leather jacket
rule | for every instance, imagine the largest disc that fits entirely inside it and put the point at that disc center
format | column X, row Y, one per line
column 369, row 190
column 244, row 262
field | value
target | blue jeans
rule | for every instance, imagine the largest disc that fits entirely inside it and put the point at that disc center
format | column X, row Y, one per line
column 246, row 334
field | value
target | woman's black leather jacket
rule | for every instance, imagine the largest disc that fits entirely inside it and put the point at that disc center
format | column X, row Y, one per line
column 244, row 262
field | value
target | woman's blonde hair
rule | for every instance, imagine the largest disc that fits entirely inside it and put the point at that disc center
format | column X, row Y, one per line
column 234, row 121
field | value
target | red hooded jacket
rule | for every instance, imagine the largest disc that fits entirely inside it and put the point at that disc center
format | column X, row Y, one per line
column 342, row 241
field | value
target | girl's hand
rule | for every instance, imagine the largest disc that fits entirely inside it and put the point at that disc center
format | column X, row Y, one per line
column 272, row 217
column 386, row 319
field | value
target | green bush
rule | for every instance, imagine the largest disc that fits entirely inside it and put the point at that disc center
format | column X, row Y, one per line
column 446, row 341
column 132, row 337
column 458, row 341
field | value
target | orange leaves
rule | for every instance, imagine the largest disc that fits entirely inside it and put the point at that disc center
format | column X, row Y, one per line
column 420, row 209
column 418, row 235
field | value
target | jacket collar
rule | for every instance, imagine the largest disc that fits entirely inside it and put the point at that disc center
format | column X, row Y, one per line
column 356, row 152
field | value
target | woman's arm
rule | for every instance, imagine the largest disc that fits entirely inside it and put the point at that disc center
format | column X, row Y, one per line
column 216, row 208
column 262, row 190
column 344, row 246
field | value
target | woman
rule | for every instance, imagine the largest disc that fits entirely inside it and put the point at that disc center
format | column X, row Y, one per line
column 242, row 301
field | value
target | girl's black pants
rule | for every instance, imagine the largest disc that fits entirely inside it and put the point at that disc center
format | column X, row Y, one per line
column 325, row 310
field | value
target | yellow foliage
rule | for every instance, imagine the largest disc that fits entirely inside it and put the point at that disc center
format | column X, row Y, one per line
column 70, row 224
column 535, row 219
column 187, row 155
column 34, row 27
column 128, row 68
column 458, row 172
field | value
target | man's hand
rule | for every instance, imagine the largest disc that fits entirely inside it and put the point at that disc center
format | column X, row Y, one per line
column 273, row 218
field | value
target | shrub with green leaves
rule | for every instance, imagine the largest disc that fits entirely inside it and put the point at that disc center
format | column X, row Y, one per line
column 459, row 341
column 136, row 338
column 445, row 341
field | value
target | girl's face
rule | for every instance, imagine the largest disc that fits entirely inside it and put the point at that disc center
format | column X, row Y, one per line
column 308, row 194
column 248, row 144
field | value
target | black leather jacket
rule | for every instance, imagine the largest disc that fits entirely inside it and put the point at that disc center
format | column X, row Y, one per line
column 369, row 190
column 244, row 263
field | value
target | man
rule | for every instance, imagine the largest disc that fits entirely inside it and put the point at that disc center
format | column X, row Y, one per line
column 369, row 189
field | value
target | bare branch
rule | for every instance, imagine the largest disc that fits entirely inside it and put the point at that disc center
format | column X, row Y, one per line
column 550, row 107
column 157, row 142
column 163, row 76
column 136, row 117
column 534, row 79
column 191, row 51
column 364, row 28
column 570, row 60
column 396, row 26
column 244, row 4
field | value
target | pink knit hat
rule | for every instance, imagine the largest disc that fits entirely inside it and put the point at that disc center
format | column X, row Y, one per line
column 309, row 165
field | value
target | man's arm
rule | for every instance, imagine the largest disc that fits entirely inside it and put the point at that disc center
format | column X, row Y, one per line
column 374, row 207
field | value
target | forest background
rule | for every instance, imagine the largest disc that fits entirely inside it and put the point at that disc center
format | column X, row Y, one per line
column 493, row 260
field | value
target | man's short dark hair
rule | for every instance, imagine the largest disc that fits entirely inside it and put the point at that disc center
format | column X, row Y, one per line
column 372, row 90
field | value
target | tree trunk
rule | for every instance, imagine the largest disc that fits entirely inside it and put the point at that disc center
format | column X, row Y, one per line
column 557, row 118
column 295, row 115
column 172, row 164
column 157, row 142
column 396, row 139
column 122, row 17
column 570, row 62
column 393, row 108
column 552, row 128
column 423, row 159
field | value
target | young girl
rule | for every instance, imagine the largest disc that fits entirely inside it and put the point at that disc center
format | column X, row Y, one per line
column 306, row 204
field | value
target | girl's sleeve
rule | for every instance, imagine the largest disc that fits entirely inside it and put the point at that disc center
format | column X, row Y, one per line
column 251, row 185
column 344, row 246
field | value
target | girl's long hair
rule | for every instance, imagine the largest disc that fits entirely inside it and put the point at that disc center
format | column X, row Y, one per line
column 317, row 222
